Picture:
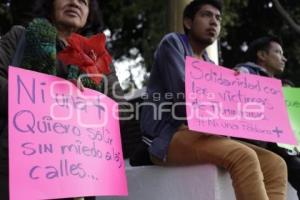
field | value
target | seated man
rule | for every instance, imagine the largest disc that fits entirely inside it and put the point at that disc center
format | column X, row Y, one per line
column 265, row 58
column 256, row 172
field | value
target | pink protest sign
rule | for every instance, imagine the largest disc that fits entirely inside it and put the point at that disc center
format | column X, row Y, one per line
column 62, row 142
column 245, row 106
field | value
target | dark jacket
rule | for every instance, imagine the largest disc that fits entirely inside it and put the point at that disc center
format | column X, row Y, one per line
column 251, row 68
column 166, row 87
column 291, row 157
column 11, row 51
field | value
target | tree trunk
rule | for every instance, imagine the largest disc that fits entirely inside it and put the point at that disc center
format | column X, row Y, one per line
column 175, row 13
column 285, row 15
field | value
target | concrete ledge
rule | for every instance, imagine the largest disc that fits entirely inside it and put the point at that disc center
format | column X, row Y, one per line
column 205, row 182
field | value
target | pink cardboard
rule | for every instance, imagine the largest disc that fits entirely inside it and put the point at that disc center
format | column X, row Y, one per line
column 62, row 142
column 221, row 102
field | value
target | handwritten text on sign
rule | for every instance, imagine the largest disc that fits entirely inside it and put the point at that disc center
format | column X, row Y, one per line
column 292, row 100
column 245, row 106
column 62, row 142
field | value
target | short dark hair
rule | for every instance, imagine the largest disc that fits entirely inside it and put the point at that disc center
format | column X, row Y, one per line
column 193, row 7
column 94, row 24
column 260, row 44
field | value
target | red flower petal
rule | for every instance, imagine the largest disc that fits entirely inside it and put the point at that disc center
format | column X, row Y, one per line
column 76, row 41
column 90, row 55
column 69, row 56
column 95, row 75
column 97, row 42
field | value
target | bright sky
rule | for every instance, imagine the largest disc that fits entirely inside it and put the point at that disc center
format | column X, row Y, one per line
column 127, row 66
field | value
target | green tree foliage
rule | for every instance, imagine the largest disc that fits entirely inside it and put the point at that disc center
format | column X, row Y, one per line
column 136, row 26
column 140, row 25
column 5, row 17
column 246, row 20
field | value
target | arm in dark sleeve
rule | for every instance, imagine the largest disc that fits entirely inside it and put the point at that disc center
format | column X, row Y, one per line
column 170, row 58
column 170, row 63
column 242, row 69
column 8, row 45
column 115, row 91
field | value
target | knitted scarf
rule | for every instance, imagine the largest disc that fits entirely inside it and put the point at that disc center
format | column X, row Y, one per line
column 40, row 52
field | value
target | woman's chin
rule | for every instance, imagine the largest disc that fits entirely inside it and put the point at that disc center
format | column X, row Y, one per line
column 72, row 24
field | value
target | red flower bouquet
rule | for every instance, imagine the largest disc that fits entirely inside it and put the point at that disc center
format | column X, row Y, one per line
column 89, row 54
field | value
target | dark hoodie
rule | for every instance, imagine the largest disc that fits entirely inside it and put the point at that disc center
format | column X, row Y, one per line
column 251, row 68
